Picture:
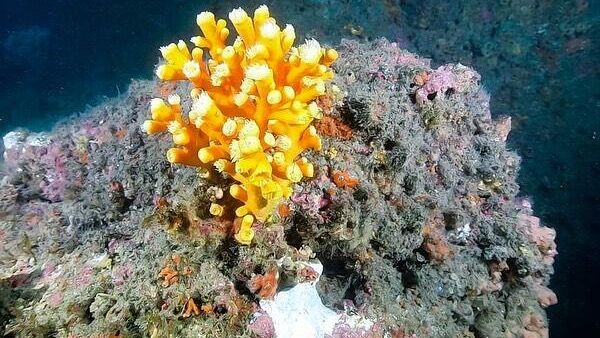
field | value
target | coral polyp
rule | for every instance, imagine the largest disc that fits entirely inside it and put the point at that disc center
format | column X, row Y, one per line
column 252, row 111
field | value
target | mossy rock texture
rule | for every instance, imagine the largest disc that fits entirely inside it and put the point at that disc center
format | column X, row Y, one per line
column 426, row 235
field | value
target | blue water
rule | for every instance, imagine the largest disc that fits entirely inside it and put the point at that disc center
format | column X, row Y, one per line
column 539, row 59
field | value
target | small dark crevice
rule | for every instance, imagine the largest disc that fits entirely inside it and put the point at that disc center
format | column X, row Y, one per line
column 410, row 280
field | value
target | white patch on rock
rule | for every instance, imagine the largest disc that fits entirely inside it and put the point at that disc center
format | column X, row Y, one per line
column 18, row 140
column 13, row 138
column 299, row 312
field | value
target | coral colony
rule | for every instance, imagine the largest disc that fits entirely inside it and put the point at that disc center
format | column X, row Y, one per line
column 252, row 111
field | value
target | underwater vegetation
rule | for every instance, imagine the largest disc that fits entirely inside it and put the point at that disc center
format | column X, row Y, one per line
column 407, row 222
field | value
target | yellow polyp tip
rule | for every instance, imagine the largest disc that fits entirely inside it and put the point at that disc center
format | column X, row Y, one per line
column 269, row 139
column 220, row 165
column 181, row 137
column 234, row 150
column 228, row 52
column 250, row 145
column 241, row 211
column 332, row 54
column 274, row 97
column 293, row 173
column 289, row 31
column 204, row 155
column 224, row 34
column 322, row 70
column 216, row 209
column 181, row 45
column 199, row 41
column 284, row 143
column 307, row 168
column 240, row 98
column 220, row 72
column 229, row 127
column 247, row 86
column 288, row 92
column 238, row 192
column 257, row 51
column 197, row 54
column 163, row 72
column 294, row 59
column 174, row 126
column 247, row 221
column 221, row 24
column 244, row 236
column 261, row 13
column 310, row 52
column 320, row 88
column 238, row 45
column 151, row 127
column 250, row 128
column 174, row 100
column 258, row 72
column 205, row 17
column 160, row 111
column 173, row 155
column 191, row 69
column 314, row 110
column 238, row 16
column 202, row 104
column 156, row 104
column 168, row 50
column 270, row 30
column 279, row 158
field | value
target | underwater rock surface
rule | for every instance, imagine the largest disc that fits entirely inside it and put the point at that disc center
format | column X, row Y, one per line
column 414, row 213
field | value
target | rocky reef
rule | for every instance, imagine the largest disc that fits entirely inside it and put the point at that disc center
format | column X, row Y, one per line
column 411, row 227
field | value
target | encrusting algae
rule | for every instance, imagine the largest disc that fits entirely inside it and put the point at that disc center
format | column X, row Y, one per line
column 252, row 112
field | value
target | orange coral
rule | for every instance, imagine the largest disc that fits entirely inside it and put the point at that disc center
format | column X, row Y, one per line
column 176, row 259
column 265, row 285
column 120, row 133
column 434, row 242
column 421, row 78
column 342, row 179
column 283, row 210
column 190, row 308
column 207, row 308
column 307, row 274
column 169, row 275
column 334, row 127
